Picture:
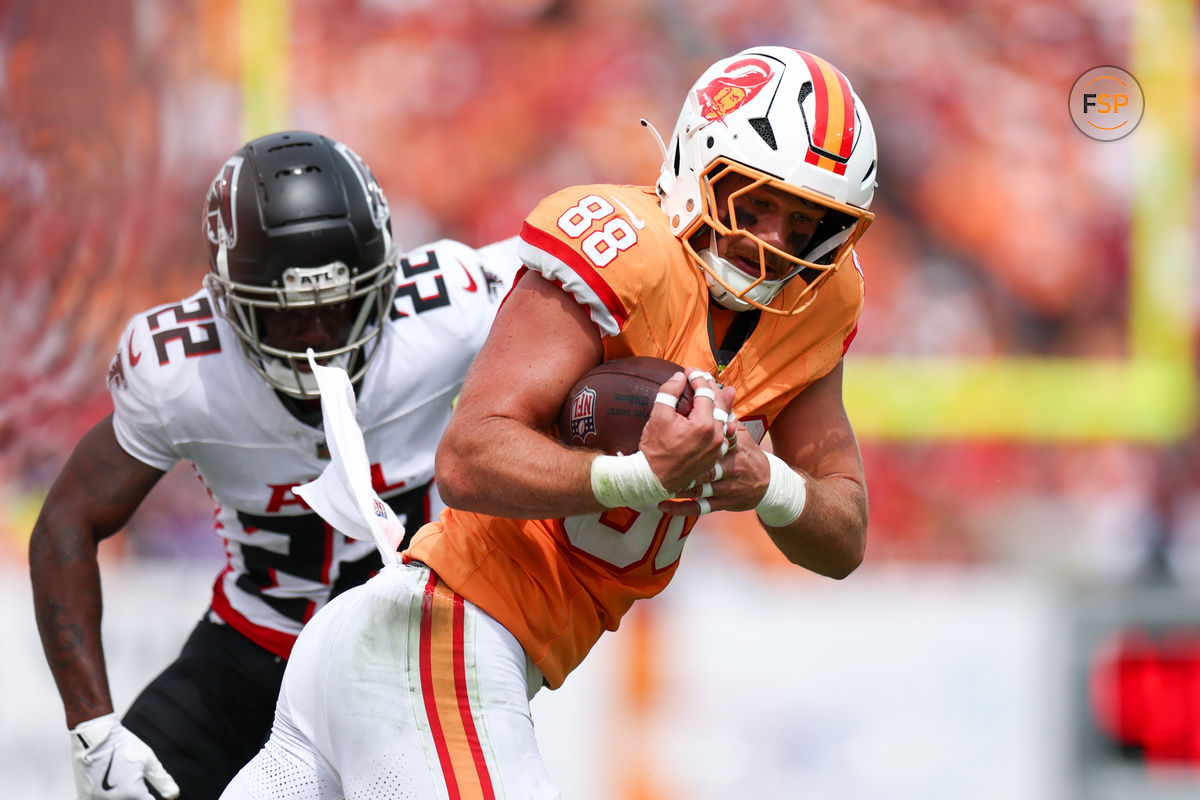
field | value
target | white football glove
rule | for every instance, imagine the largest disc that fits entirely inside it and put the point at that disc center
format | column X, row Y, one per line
column 113, row 764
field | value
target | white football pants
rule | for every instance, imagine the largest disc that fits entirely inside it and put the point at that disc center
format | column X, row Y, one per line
column 400, row 688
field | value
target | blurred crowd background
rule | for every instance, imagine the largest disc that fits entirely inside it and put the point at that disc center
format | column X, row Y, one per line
column 1001, row 230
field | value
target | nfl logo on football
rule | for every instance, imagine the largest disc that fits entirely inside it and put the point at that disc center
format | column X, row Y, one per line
column 583, row 420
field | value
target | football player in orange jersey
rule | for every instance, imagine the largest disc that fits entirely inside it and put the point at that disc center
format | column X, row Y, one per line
column 738, row 265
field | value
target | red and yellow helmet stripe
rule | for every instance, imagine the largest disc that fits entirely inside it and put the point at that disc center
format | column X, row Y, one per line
column 833, row 129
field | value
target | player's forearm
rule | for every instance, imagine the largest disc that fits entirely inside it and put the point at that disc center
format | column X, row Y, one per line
column 67, row 604
column 506, row 469
column 830, row 536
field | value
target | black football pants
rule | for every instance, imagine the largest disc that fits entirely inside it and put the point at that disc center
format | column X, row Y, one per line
column 210, row 711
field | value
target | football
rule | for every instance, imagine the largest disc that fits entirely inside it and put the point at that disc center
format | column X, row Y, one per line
column 608, row 407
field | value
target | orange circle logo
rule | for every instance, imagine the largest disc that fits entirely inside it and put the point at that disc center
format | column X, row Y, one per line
column 1106, row 103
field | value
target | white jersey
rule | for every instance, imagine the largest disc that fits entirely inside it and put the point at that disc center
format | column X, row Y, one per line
column 182, row 389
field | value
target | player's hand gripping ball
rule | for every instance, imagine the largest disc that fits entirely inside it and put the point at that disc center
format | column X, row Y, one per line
column 608, row 407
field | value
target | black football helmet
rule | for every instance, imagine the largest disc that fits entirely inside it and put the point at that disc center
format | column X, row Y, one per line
column 296, row 220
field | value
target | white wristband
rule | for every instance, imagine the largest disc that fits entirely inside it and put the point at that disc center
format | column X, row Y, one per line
column 626, row 481
column 784, row 501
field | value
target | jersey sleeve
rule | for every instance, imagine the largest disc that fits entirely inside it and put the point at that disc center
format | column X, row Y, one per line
column 498, row 263
column 137, row 417
column 590, row 241
column 455, row 289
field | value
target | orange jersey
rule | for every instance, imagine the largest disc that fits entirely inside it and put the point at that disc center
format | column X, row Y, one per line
column 557, row 584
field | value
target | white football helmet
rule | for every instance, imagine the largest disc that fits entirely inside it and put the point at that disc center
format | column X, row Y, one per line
column 786, row 120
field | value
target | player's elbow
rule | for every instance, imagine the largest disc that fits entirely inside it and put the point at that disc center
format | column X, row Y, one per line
column 845, row 528
column 60, row 536
column 848, row 560
column 837, row 561
column 447, row 476
column 851, row 549
column 453, row 470
column 834, row 548
column 454, row 491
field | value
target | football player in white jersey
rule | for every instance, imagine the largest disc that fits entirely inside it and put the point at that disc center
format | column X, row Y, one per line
column 300, row 256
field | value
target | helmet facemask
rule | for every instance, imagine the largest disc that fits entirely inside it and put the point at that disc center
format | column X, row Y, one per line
column 840, row 226
column 368, row 296
column 300, row 253
column 782, row 121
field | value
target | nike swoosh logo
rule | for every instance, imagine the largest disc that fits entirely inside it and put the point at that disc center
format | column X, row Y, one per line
column 637, row 223
column 133, row 357
column 104, row 784
column 471, row 286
